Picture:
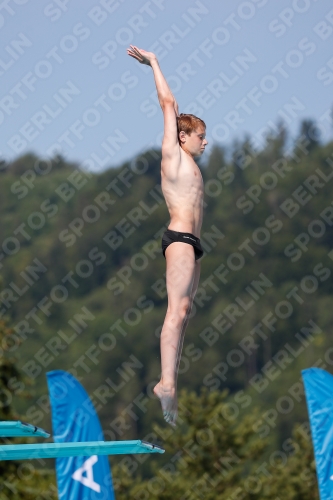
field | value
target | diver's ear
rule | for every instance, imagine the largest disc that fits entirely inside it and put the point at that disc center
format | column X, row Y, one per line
column 182, row 136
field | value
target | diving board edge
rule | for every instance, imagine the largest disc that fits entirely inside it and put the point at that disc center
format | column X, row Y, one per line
column 54, row 450
column 16, row 428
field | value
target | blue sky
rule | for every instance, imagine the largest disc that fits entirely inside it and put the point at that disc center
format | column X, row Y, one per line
column 68, row 86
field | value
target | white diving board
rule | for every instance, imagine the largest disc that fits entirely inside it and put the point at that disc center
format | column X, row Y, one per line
column 16, row 428
column 54, row 450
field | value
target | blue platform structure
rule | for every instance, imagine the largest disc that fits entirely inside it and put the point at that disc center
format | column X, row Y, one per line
column 17, row 428
column 54, row 450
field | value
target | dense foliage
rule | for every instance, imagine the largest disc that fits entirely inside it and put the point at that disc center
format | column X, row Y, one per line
column 214, row 456
column 83, row 288
column 19, row 480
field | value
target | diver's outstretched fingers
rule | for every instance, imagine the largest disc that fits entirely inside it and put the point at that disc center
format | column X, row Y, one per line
column 134, row 55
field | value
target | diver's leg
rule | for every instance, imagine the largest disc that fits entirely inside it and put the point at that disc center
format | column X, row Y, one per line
column 187, row 319
column 180, row 273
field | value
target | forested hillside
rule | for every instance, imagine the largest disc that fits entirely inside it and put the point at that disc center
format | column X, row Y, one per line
column 83, row 282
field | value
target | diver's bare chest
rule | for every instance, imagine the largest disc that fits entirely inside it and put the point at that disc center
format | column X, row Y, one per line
column 192, row 175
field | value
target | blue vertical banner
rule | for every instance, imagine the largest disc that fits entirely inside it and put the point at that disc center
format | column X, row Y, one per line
column 319, row 396
column 74, row 419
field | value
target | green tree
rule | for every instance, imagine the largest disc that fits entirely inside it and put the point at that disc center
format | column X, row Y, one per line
column 311, row 133
column 215, row 454
column 19, row 480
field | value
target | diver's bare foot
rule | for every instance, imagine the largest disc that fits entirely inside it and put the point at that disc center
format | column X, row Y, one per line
column 168, row 398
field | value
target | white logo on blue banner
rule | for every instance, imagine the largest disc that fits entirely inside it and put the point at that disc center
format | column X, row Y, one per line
column 87, row 468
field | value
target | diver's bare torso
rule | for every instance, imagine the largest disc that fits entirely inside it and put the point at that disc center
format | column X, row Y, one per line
column 183, row 193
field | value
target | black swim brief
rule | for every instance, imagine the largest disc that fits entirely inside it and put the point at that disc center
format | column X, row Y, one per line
column 172, row 236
